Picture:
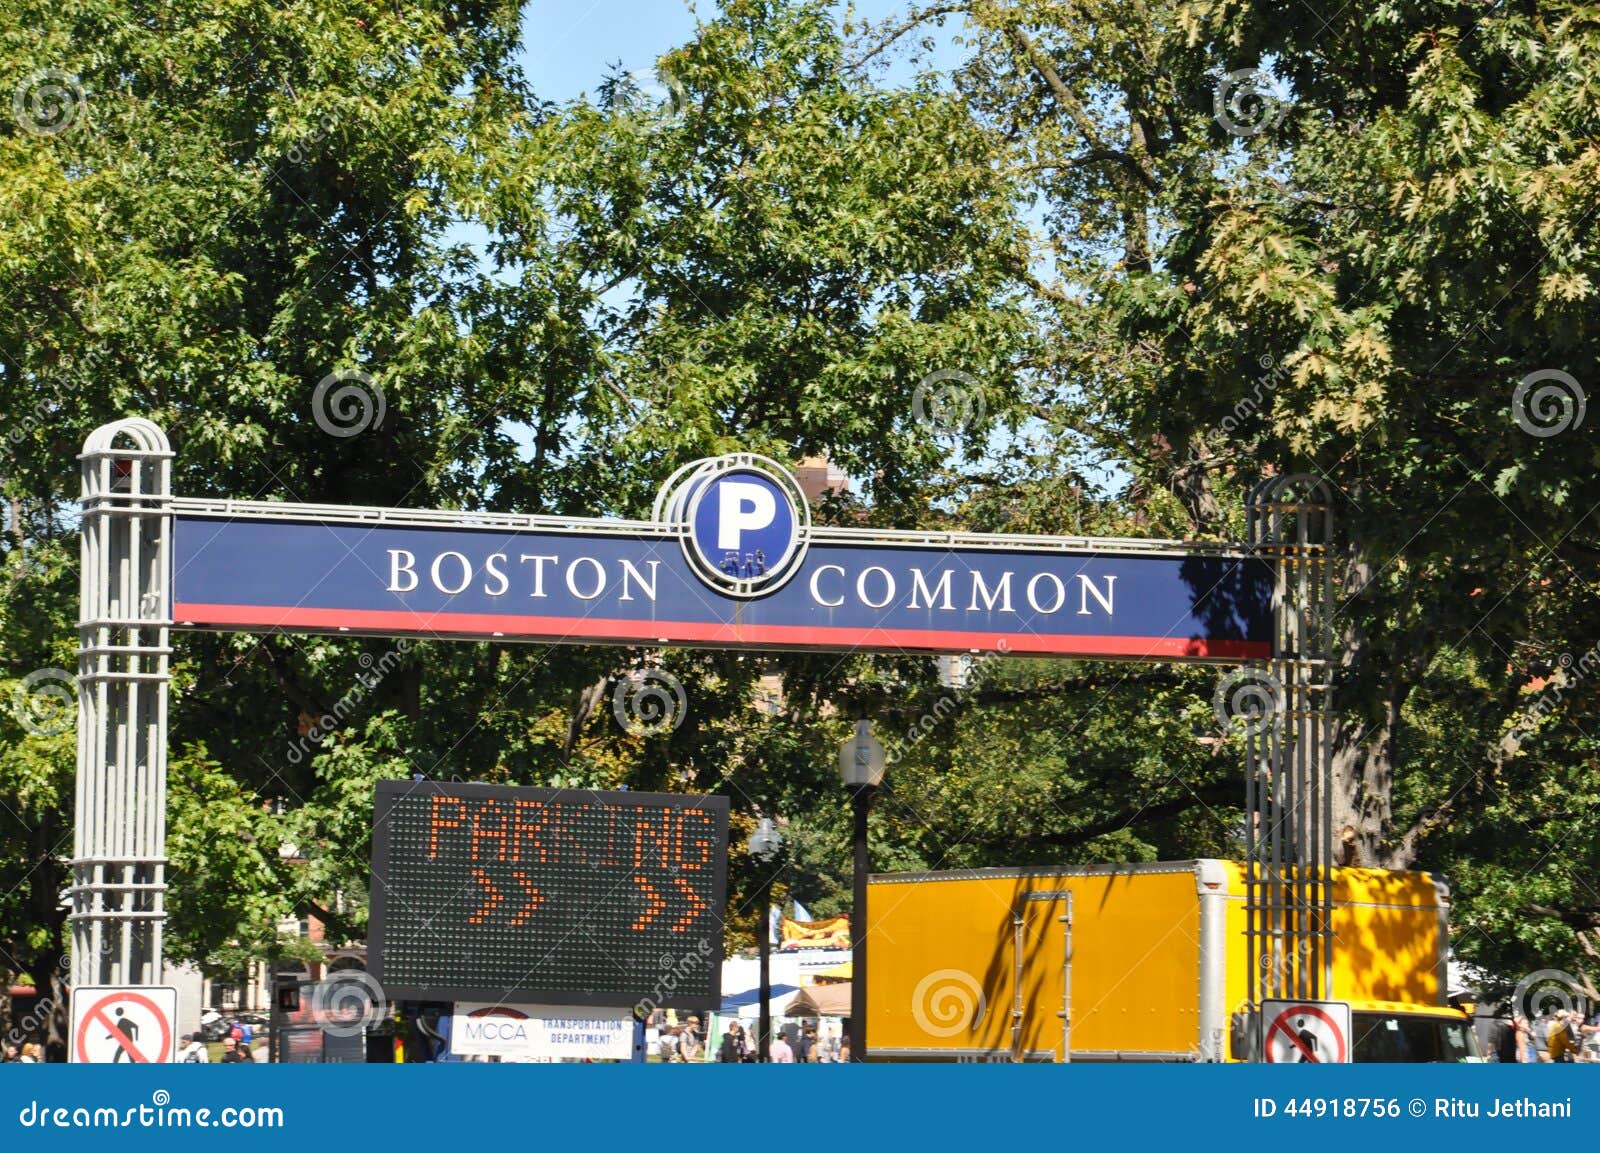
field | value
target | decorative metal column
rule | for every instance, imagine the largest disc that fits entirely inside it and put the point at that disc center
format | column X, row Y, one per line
column 119, row 858
column 1288, row 780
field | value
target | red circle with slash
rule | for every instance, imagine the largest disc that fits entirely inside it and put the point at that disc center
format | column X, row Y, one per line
column 97, row 1015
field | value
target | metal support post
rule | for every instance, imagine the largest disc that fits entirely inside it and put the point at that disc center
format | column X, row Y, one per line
column 764, row 952
column 861, row 799
column 118, row 893
column 1288, row 786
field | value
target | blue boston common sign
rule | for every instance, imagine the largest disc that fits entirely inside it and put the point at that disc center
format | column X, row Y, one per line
column 729, row 559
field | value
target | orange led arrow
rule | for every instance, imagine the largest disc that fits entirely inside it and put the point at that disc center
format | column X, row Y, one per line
column 534, row 899
column 492, row 898
column 683, row 922
column 654, row 903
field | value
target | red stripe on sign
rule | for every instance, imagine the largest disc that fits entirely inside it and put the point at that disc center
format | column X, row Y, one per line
column 699, row 632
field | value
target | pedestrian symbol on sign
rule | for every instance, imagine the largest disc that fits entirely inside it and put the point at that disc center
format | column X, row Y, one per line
column 1308, row 1041
column 129, row 1031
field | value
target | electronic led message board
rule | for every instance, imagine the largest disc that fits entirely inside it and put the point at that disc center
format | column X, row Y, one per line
column 554, row 896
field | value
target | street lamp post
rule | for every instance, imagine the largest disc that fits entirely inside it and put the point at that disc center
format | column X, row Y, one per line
column 764, row 845
column 861, row 764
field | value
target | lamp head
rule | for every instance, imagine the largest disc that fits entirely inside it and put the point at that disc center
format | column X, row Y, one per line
column 765, row 841
column 862, row 758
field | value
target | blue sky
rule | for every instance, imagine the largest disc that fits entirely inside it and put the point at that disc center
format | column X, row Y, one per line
column 570, row 43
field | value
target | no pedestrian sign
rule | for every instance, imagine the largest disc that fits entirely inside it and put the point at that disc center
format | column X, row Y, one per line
column 123, row 1025
column 1306, row 1032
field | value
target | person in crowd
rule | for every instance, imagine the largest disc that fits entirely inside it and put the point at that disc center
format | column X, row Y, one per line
column 844, row 1050
column 11, row 1053
column 193, row 1052
column 1577, row 1035
column 805, row 1048
column 33, row 1053
column 1591, row 1040
column 735, row 1046
column 691, row 1044
column 1561, row 1041
column 1526, row 1054
column 781, row 1051
column 670, row 1044
column 1540, row 1028
column 232, row 1052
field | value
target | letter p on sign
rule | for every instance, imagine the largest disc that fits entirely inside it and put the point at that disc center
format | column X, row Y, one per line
column 742, row 507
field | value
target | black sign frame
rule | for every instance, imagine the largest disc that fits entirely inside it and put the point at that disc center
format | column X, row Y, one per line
column 657, row 989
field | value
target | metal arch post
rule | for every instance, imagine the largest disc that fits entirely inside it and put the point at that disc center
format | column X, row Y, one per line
column 118, row 893
column 1288, row 784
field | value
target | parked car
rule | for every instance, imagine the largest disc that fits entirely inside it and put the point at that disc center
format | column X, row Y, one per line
column 222, row 1024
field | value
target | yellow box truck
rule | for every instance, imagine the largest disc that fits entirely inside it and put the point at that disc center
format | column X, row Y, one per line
column 985, row 964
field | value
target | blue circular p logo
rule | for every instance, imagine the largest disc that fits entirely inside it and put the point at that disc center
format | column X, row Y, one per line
column 742, row 524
